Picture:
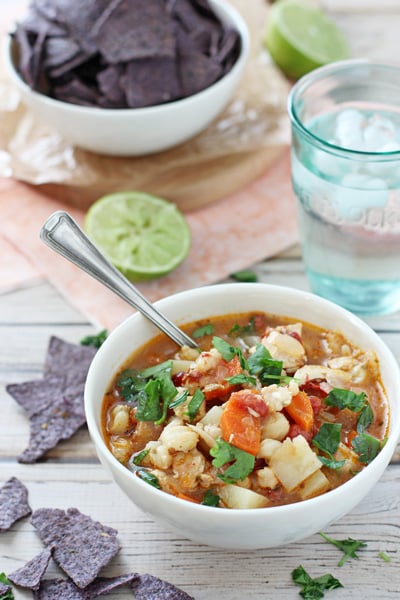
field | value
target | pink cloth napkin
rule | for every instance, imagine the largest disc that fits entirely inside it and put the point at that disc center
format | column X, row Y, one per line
column 229, row 235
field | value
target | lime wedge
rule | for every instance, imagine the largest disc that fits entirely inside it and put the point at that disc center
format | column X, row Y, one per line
column 300, row 38
column 143, row 236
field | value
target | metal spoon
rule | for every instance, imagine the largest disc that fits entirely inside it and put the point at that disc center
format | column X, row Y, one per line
column 62, row 234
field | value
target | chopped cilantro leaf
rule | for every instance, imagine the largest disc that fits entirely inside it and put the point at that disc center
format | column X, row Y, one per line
column 367, row 447
column 139, row 456
column 241, row 378
column 331, row 463
column 151, row 389
column 236, row 330
column 365, row 419
column 346, row 399
column 94, row 340
column 349, row 547
column 210, row 499
column 204, row 330
column 149, row 478
column 264, row 366
column 384, row 557
column 313, row 589
column 245, row 276
column 327, row 440
column 9, row 594
column 228, row 352
column 194, row 404
column 242, row 462
column 179, row 399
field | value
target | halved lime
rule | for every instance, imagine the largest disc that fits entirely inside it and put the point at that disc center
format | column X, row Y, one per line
column 142, row 235
column 300, row 38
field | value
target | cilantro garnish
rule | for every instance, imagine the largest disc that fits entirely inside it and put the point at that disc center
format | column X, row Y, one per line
column 349, row 547
column 264, row 366
column 151, row 390
column 313, row 589
column 194, row 404
column 138, row 458
column 365, row 419
column 242, row 462
column 210, row 499
column 228, row 352
column 9, row 594
column 245, row 276
column 384, row 557
column 367, row 447
column 346, row 399
column 180, row 399
column 94, row 340
column 204, row 330
column 236, row 330
column 149, row 478
column 241, row 378
column 327, row 440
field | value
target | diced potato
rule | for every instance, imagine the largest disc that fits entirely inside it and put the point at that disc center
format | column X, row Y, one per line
column 266, row 478
column 345, row 453
column 293, row 462
column 267, row 448
column 212, row 416
column 314, row 485
column 275, row 426
column 179, row 366
column 234, row 496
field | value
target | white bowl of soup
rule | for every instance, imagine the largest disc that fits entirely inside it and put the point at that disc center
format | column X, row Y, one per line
column 278, row 425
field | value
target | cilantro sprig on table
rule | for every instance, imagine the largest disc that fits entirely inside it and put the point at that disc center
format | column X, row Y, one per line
column 314, row 588
column 95, row 340
column 349, row 547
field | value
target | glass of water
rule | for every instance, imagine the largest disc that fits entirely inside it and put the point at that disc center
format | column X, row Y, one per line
column 346, row 176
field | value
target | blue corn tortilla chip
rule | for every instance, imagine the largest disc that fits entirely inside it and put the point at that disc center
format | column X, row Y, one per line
column 151, row 81
column 196, row 71
column 59, row 589
column 4, row 588
column 14, row 503
column 105, row 585
column 53, row 415
column 30, row 575
column 81, row 546
column 132, row 29
column 55, row 403
column 65, row 358
column 148, row 587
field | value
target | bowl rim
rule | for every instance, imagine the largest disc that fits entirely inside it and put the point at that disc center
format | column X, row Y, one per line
column 383, row 457
column 223, row 9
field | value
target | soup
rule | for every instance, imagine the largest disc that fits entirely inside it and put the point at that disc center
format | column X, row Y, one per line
column 271, row 411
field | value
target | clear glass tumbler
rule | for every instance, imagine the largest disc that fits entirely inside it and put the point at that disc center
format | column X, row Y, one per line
column 346, row 176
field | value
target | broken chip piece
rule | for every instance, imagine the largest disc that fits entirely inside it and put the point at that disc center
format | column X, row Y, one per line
column 54, row 404
column 81, row 546
column 13, row 503
column 68, row 50
column 148, row 587
column 30, row 575
column 59, row 589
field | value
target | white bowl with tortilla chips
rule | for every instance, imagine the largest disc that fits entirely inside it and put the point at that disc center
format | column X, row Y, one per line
column 248, row 528
column 139, row 130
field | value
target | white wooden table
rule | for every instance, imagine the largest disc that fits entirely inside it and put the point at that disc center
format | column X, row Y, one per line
column 72, row 475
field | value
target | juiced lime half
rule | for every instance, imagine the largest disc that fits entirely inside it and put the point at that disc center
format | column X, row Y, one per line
column 300, row 38
column 142, row 235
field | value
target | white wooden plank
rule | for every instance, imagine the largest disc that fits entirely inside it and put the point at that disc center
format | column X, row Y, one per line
column 209, row 573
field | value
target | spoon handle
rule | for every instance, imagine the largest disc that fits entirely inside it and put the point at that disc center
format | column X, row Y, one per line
column 62, row 234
